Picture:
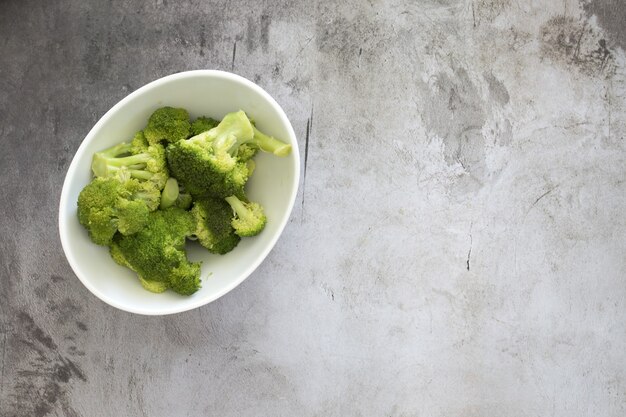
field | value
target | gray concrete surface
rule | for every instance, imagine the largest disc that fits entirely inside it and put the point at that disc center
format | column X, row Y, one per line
column 458, row 244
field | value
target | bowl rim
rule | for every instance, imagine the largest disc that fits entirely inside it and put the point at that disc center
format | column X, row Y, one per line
column 79, row 154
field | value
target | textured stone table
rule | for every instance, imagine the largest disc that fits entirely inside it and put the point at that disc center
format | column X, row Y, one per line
column 457, row 248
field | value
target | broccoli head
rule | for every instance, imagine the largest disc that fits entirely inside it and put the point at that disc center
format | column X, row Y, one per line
column 202, row 124
column 167, row 124
column 198, row 176
column 139, row 161
column 249, row 219
column 152, row 286
column 213, row 229
column 157, row 252
column 185, row 278
column 109, row 205
column 205, row 165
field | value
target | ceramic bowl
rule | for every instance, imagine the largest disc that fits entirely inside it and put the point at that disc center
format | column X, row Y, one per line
column 274, row 185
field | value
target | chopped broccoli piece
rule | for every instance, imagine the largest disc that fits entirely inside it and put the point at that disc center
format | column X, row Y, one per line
column 204, row 164
column 109, row 205
column 157, row 254
column 191, row 167
column 249, row 219
column 213, row 229
column 167, row 124
column 144, row 163
column 202, row 124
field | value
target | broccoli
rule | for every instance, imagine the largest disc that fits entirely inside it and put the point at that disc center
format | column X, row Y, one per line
column 233, row 132
column 185, row 278
column 152, row 286
column 157, row 254
column 139, row 161
column 183, row 201
column 249, row 219
column 213, row 229
column 169, row 195
column 109, row 205
column 199, row 178
column 167, row 124
column 202, row 124
column 172, row 196
column 204, row 164
column 269, row 143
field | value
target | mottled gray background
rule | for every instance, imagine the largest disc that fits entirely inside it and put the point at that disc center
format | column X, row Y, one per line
column 457, row 248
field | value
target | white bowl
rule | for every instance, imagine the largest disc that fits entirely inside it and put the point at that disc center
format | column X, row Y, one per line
column 274, row 185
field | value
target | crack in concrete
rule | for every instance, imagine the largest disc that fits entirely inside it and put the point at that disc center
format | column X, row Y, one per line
column 232, row 64
column 309, row 128
column 469, row 253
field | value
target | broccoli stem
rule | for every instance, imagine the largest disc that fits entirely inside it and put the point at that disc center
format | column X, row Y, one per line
column 270, row 144
column 109, row 171
column 140, row 174
column 116, row 150
column 125, row 161
column 239, row 208
column 170, row 193
column 136, row 166
column 103, row 164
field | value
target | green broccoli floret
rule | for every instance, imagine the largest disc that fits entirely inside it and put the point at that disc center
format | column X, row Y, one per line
column 202, row 124
column 213, row 229
column 157, row 252
column 152, row 286
column 167, row 124
column 205, row 164
column 249, row 219
column 198, row 176
column 141, row 162
column 185, row 278
column 109, row 205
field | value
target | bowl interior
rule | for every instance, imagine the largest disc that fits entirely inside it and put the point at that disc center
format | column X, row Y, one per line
column 274, row 185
